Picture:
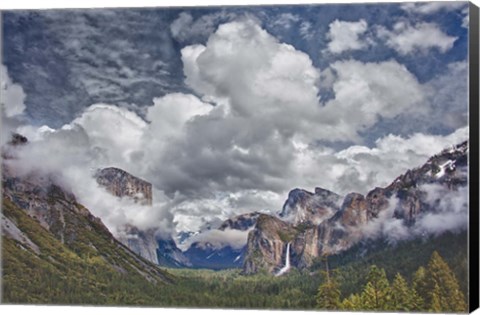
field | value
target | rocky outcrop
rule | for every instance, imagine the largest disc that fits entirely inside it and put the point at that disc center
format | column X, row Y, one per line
column 377, row 201
column 18, row 139
column 305, row 207
column 448, row 169
column 120, row 183
column 42, row 199
column 354, row 210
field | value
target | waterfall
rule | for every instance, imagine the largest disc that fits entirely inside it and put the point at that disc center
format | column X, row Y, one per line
column 287, row 262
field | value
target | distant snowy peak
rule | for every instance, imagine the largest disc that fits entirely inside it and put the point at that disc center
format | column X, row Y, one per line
column 223, row 247
column 241, row 222
column 170, row 255
column 450, row 165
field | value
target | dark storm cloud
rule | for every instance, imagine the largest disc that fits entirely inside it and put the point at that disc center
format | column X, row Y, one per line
column 211, row 158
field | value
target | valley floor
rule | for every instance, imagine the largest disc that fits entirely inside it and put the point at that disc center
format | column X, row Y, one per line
column 75, row 274
column 229, row 288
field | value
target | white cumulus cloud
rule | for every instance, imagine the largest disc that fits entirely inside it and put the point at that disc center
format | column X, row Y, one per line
column 406, row 38
column 12, row 105
column 346, row 36
column 366, row 91
column 433, row 7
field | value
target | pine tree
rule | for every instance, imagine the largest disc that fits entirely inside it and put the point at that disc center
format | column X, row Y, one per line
column 328, row 296
column 420, row 285
column 448, row 295
column 352, row 303
column 376, row 294
column 404, row 298
column 417, row 301
column 369, row 297
column 401, row 295
column 436, row 304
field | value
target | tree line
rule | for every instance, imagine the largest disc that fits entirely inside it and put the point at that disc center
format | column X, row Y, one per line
column 433, row 288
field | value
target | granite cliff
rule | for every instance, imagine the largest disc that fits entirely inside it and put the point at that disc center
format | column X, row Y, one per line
column 145, row 243
column 324, row 223
column 121, row 183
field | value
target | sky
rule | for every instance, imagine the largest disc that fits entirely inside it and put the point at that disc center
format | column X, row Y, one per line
column 225, row 110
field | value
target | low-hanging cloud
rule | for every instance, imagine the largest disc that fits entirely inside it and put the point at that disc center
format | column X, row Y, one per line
column 68, row 155
column 236, row 239
column 448, row 213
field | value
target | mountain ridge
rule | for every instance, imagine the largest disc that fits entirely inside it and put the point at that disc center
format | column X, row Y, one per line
column 402, row 202
column 55, row 251
column 315, row 224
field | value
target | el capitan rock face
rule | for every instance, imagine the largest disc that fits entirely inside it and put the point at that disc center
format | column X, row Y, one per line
column 341, row 226
column 142, row 242
column 120, row 183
